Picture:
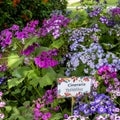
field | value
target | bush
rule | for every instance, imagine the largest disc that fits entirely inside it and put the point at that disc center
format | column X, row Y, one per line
column 20, row 12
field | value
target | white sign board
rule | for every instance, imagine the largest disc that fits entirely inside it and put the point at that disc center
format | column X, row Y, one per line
column 73, row 86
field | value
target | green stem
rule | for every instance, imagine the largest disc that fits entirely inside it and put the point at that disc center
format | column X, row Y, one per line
column 117, row 102
column 37, row 91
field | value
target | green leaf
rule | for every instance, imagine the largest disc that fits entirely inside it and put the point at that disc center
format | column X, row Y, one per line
column 30, row 41
column 21, row 72
column 57, row 116
column 8, row 108
column 33, row 77
column 57, row 44
column 34, row 82
column 45, row 81
column 14, row 82
column 14, row 60
column 40, row 49
column 50, row 71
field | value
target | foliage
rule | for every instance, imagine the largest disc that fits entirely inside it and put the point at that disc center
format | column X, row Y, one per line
column 21, row 12
column 32, row 58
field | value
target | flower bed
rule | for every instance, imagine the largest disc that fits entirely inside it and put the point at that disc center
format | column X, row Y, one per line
column 32, row 59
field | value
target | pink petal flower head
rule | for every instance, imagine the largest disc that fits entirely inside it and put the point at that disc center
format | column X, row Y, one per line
column 2, row 104
column 2, row 115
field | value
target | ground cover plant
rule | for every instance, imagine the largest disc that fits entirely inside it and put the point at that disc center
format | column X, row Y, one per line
column 33, row 58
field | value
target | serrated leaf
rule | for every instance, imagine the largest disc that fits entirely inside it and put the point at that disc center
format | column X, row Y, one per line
column 14, row 60
column 57, row 44
column 14, row 82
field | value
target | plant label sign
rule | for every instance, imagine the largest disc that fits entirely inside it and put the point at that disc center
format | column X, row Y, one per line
column 73, row 86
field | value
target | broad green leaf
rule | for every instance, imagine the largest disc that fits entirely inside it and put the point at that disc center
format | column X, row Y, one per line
column 57, row 44
column 34, row 82
column 32, row 75
column 40, row 49
column 14, row 82
column 21, row 72
column 8, row 108
column 45, row 81
column 30, row 41
column 14, row 60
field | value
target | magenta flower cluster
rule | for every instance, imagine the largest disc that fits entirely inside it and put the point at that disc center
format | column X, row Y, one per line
column 115, row 11
column 111, row 82
column 43, row 102
column 3, row 67
column 29, row 49
column 7, row 34
column 45, row 59
column 28, row 31
column 107, row 72
column 53, row 25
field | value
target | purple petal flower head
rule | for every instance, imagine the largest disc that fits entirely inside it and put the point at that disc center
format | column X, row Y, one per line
column 75, row 112
column 104, row 20
column 53, row 25
column 14, row 28
column 101, row 110
column 66, row 116
column 87, row 111
column 29, row 50
column 45, row 59
column 93, row 109
column 3, row 68
column 115, row 11
column 6, row 38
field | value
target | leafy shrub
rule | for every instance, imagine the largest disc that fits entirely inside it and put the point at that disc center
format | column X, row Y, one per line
column 20, row 12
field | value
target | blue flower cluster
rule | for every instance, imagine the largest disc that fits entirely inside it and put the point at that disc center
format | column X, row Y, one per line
column 85, row 49
column 99, row 103
column 93, row 58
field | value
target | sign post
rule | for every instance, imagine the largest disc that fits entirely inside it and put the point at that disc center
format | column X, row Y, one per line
column 73, row 87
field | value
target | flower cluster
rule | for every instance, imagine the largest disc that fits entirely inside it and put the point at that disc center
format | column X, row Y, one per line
column 28, row 31
column 7, row 34
column 43, row 102
column 3, row 67
column 78, row 117
column 110, row 80
column 108, row 22
column 93, row 58
column 108, row 117
column 5, row 38
column 98, row 104
column 2, row 105
column 115, row 11
column 29, row 49
column 95, row 12
column 45, row 59
column 53, row 25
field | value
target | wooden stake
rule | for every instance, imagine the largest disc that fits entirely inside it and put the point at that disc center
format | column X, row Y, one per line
column 72, row 104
